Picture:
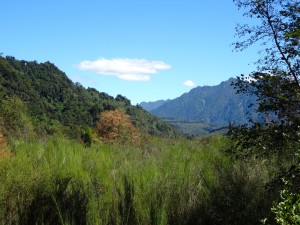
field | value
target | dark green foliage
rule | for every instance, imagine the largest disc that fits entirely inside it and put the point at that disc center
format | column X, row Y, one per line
column 276, row 84
column 277, row 88
column 123, row 99
column 277, row 96
column 87, row 137
column 261, row 141
column 156, row 208
column 237, row 197
column 58, row 206
column 279, row 103
column 57, row 105
column 126, row 204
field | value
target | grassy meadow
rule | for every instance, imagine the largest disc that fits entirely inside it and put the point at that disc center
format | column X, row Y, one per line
column 59, row 181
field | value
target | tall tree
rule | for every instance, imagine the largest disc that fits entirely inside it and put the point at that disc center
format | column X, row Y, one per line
column 276, row 81
column 276, row 85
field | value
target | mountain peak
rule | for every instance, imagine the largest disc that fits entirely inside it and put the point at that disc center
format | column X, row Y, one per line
column 216, row 105
column 150, row 106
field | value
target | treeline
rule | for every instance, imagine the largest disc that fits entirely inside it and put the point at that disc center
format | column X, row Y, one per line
column 52, row 103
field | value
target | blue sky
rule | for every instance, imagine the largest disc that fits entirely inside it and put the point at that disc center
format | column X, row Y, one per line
column 145, row 50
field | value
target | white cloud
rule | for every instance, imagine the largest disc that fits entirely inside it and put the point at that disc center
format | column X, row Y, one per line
column 189, row 83
column 123, row 68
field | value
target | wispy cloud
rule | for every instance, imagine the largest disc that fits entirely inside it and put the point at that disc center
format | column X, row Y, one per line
column 189, row 83
column 124, row 68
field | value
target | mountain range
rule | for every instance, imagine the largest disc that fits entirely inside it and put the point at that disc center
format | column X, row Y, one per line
column 150, row 106
column 217, row 105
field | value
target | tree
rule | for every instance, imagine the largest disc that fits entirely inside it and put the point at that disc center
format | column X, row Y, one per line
column 278, row 30
column 87, row 137
column 115, row 126
column 276, row 81
column 120, row 98
column 4, row 153
column 15, row 119
column 276, row 85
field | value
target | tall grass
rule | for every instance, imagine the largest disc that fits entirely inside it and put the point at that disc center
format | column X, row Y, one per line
column 162, row 182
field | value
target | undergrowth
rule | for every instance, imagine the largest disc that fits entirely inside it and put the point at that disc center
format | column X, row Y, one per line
column 59, row 181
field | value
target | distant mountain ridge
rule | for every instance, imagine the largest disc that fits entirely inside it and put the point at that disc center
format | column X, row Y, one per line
column 215, row 105
column 150, row 106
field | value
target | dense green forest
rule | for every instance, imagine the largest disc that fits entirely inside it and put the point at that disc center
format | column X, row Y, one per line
column 53, row 103
column 70, row 155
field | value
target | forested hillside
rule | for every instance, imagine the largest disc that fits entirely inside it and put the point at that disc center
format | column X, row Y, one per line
column 216, row 105
column 54, row 104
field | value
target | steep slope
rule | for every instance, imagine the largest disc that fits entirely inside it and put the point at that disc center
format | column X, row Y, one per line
column 56, row 103
column 216, row 105
column 150, row 106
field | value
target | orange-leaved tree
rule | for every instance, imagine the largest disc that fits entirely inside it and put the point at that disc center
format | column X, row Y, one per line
column 115, row 126
column 4, row 153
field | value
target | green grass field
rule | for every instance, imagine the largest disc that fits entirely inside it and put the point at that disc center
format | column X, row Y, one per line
column 58, row 181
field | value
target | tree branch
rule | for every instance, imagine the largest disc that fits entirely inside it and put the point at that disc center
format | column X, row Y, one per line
column 285, row 59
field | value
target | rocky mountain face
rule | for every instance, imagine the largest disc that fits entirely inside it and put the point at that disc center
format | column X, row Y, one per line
column 215, row 105
column 150, row 106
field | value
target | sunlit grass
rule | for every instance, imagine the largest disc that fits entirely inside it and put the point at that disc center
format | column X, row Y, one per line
column 160, row 182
